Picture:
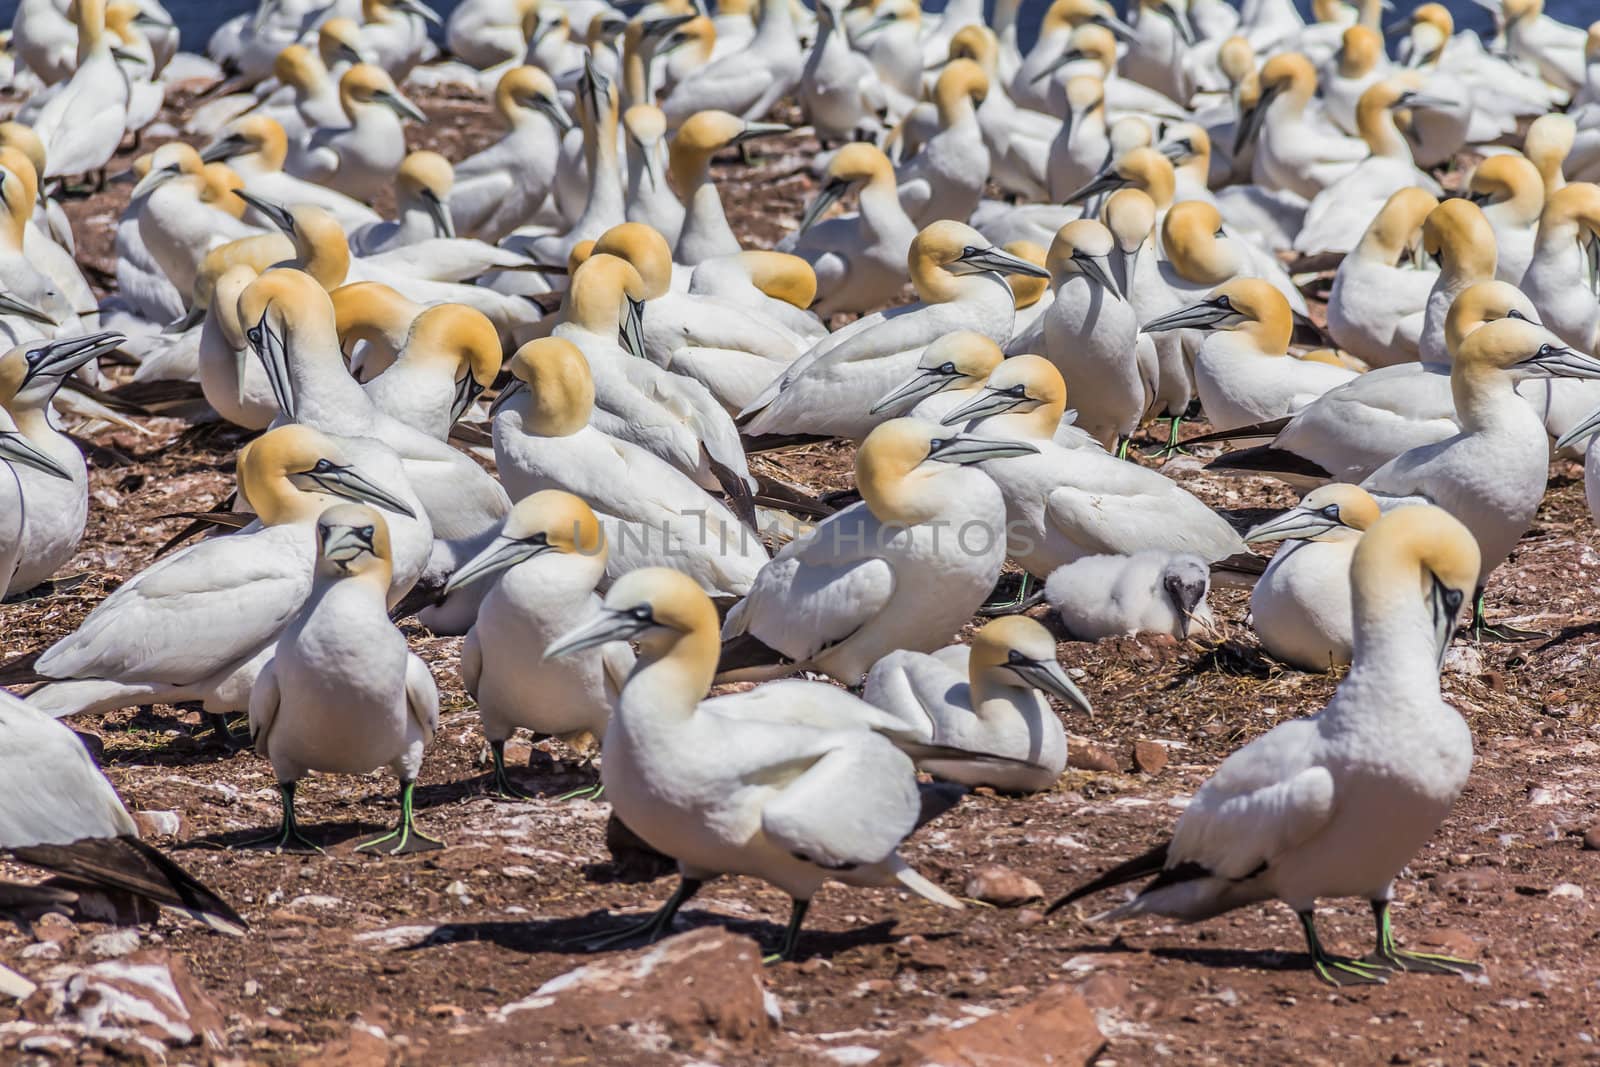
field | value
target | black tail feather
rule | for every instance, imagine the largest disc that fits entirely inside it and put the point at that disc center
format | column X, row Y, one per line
column 1264, row 459
column 1242, row 563
column 937, row 798
column 20, row 671
column 747, row 650
column 131, row 865
column 1149, row 863
column 1263, row 430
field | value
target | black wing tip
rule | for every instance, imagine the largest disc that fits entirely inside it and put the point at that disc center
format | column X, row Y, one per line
column 1269, row 429
column 1148, row 863
column 130, row 865
column 747, row 650
column 937, row 798
column 1265, row 459
column 1242, row 563
column 22, row 670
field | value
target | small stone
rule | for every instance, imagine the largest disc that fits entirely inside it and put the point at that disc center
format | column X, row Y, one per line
column 1030, row 917
column 158, row 823
column 1150, row 757
column 42, row 950
column 1591, row 838
column 1003, row 887
column 53, row 926
column 919, row 954
column 251, row 987
column 519, row 872
column 1567, row 891
column 1447, row 940
column 1471, row 880
column 113, row 944
column 1091, row 757
column 446, row 1011
column 1540, row 797
column 1104, row 992
column 315, row 900
column 1056, row 1027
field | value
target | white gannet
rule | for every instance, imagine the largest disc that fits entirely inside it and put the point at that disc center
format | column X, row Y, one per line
column 451, row 355
column 1337, row 804
column 1083, row 145
column 1296, row 148
column 891, row 39
column 776, row 285
column 422, row 206
column 1359, row 64
column 1243, row 372
column 360, row 157
column 32, row 305
column 1203, row 252
column 797, row 794
column 747, row 81
column 1300, row 606
column 1151, row 286
column 256, row 148
column 1153, row 591
column 541, row 573
column 498, row 189
column 839, row 89
column 395, row 34
column 81, row 120
column 45, row 38
column 650, row 199
column 654, row 513
column 958, row 276
column 1067, row 501
column 483, row 33
column 186, row 218
column 987, row 699
column 17, row 455
column 1510, row 191
column 342, row 693
column 706, row 233
column 54, row 509
column 197, row 625
column 1561, row 276
column 1380, row 291
column 945, row 179
column 1019, row 139
column 234, row 384
column 64, row 817
column 1549, row 45
column 888, row 572
column 859, row 259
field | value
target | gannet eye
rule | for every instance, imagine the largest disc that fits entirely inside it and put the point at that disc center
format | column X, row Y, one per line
column 1016, row 658
column 1515, row 314
column 1544, row 350
column 935, row 444
column 1018, row 390
column 1452, row 600
column 322, row 466
column 969, row 251
column 641, row 613
column 947, row 367
column 1332, row 511
column 1223, row 302
column 366, row 533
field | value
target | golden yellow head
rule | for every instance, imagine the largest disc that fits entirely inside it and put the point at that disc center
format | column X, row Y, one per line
column 290, row 473
column 291, row 297
column 1086, row 94
column 859, row 161
column 643, row 246
column 426, row 171
column 296, row 66
column 260, row 136
column 1457, row 233
column 560, row 387
column 781, row 276
column 558, row 519
column 1508, row 178
column 461, row 336
column 1416, row 551
column 1189, row 230
column 1259, row 310
column 961, row 82
column 1034, row 379
column 1004, row 640
column 1577, row 203
column 353, row 542
column 23, row 138
column 1130, row 215
column 1237, row 59
column 1484, row 302
column 1351, row 505
column 1517, row 10
column 1398, row 222
column 1026, row 290
column 1147, row 169
column 977, row 43
column 645, row 123
column 339, row 40
column 365, row 311
column 525, row 87
column 19, row 185
column 965, row 355
column 666, row 612
column 1290, row 73
column 1507, row 344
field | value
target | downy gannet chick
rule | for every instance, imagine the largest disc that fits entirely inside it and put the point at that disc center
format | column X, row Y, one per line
column 1337, row 804
column 197, row 625
column 342, row 693
column 830, row 390
column 360, row 158
column 1300, row 607
column 747, row 783
column 1067, row 502
column 1153, row 591
column 451, row 355
column 655, row 514
column 904, row 568
column 987, row 699
column 1243, row 371
column 549, row 558
column 54, row 509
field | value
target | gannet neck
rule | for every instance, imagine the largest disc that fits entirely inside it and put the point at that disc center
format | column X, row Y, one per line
column 270, row 144
column 599, row 286
column 645, row 249
column 961, row 85
column 225, row 293
column 1189, row 238
column 1547, row 146
column 1484, row 395
column 1361, row 49
column 300, row 69
column 1396, row 226
column 1516, row 185
column 321, row 246
column 1462, row 238
column 18, row 192
column 1375, row 121
column 91, row 20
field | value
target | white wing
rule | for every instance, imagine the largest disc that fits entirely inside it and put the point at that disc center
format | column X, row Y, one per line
column 54, row 793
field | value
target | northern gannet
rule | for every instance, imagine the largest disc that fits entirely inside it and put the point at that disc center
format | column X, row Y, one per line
column 498, row 189
column 1552, row 47
column 1019, row 139
column 885, row 573
column 776, row 285
column 1337, row 804
column 1561, row 276
column 1300, row 606
column 395, row 34
column 31, row 304
column 706, row 233
column 1510, row 191
column 945, row 179
column 1083, row 145
column 817, row 778
column 483, row 33
column 1203, row 253
column 234, row 384
column 81, row 119
column 1153, row 591
column 1296, row 149
column 651, row 200
column 987, row 699
column 890, row 37
column 541, row 572
column 747, row 81
column 360, row 157
column 839, row 89
column 1460, row 240
column 257, row 148
column 1380, row 291
column 16, row 454
column 959, row 279
column 451, row 355
column 342, row 693
column 422, row 203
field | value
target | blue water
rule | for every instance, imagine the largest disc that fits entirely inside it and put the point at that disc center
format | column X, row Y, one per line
column 197, row 18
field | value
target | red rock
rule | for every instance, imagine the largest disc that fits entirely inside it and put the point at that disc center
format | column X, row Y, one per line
column 1091, row 758
column 135, row 1006
column 159, row 823
column 1469, row 880
column 363, row 1048
column 1150, row 757
column 1003, row 887
column 1055, row 1028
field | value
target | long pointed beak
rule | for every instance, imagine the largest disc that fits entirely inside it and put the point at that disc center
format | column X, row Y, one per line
column 1558, row 361
column 187, row 321
column 1071, row 55
column 275, row 212
column 350, row 484
column 439, row 211
column 1296, row 524
column 987, row 402
column 998, row 259
column 271, row 348
column 962, row 450
column 154, row 178
column 467, row 390
column 513, row 387
column 924, row 383
column 502, row 554
column 1106, row 181
column 401, row 106
column 555, row 112
column 1119, row 29
column 15, row 448
column 655, row 29
column 57, row 359
column 652, row 165
column 10, row 305
column 349, row 53
column 1180, row 23
column 1251, row 121
column 1202, row 316
column 1047, row 676
column 604, row 628
column 826, row 197
column 752, row 130
column 632, row 332
column 223, row 150
column 1585, row 428
column 1098, row 270
column 1423, row 101
column 877, row 25
column 421, row 10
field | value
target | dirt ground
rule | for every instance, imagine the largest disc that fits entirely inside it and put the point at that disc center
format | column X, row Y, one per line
column 423, row 948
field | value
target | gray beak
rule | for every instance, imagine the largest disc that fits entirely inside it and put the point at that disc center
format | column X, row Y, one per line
column 1119, row 29
column 1296, row 524
column 502, row 554
column 553, row 110
column 401, row 106
column 275, row 213
column 15, row 448
column 439, row 211
column 421, row 10
column 224, row 150
column 1098, row 270
column 924, row 383
column 1558, row 361
column 752, row 130
column 153, row 179
column 1202, row 316
column 1186, row 598
column 347, row 483
column 1171, row 13
column 1048, row 677
column 10, row 305
column 977, row 260
column 513, row 387
column 607, row 626
column 826, row 197
column 656, row 29
column 187, row 321
column 986, row 403
column 1422, row 101
column 1179, row 151
column 1250, row 122
column 349, row 54
column 341, row 544
column 1446, row 605
column 1071, row 55
column 632, row 332
column 57, row 359
column 1585, row 428
column 271, row 347
column 962, row 451
column 467, row 390
column 1106, row 181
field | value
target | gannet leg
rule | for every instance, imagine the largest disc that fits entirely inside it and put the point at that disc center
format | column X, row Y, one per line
column 791, row 935
column 1336, row 970
column 502, row 789
column 220, row 730
column 288, row 838
column 406, row 837
column 658, row 923
column 1023, row 600
column 1391, row 956
column 1172, row 448
column 1482, row 631
column 586, row 792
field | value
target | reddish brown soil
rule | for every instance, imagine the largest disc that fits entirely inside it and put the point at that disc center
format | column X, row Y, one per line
column 503, row 909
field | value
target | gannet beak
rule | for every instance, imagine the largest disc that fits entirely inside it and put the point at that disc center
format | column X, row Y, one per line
column 187, row 321
column 1558, row 361
column 977, row 260
column 1178, row 151
column 1047, row 676
column 467, row 390
column 752, row 130
column 443, row 224
column 350, row 53
column 121, row 177
column 647, row 154
column 1119, row 29
column 326, row 476
column 963, row 451
column 341, row 544
column 1585, row 428
column 1185, row 31
column 1202, row 316
column 1071, row 55
column 555, row 112
column 607, row 626
column 1446, row 605
column 10, row 305
column 939, row 65
column 1250, row 122
column 1186, row 598
column 1106, row 181
column 1296, row 524
column 632, row 332
column 271, row 348
column 57, row 359
column 223, row 150
column 655, row 29
column 1423, row 101
column 401, row 106
column 276, row 213
column 512, row 388
column 1097, row 270
column 826, row 197
column 987, row 402
column 421, row 10
column 876, row 25
column 924, row 383
column 502, row 554
column 151, row 180
column 15, row 448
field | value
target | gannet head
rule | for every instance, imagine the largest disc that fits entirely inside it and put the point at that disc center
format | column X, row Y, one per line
column 298, row 67
column 288, row 474
column 259, row 136
column 1237, row 59
column 1430, row 29
column 780, row 275
column 644, row 247
column 580, row 255
column 1130, row 215
column 19, row 192
column 365, row 85
column 171, row 160
column 1509, row 180
column 977, row 43
column 1549, row 142
column 555, row 375
column 372, row 311
column 1328, row 512
column 901, row 458
column 353, row 542
column 31, row 372
column 1482, row 303
column 1083, row 247
column 703, row 135
column 1070, row 14
column 1523, row 349
column 1086, row 95
column 1397, row 227
column 1460, row 239
column 854, row 163
column 946, row 250
column 1140, row 168
column 530, row 90
column 1189, row 237
column 1185, row 580
column 889, row 13
column 1374, row 112
column 1359, row 52
column 1576, row 206
column 1187, row 143
column 1026, row 290
column 646, row 127
column 606, row 296
column 1416, row 563
column 550, row 521
column 1517, row 10
column 1249, row 305
column 1019, row 653
column 670, row 618
column 387, row 10
column 219, row 187
column 286, row 311
column 1028, row 385
column 954, row 361
column 461, row 341
column 339, row 41
column 425, row 178
column 224, row 308
column 962, row 86
column 320, row 244
column 22, row 137
column 1289, row 75
column 695, row 38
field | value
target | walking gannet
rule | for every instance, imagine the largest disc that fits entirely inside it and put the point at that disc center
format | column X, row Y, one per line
column 886, row 573
column 451, row 355
column 959, row 280
column 706, row 233
column 360, row 158
column 197, row 625
column 64, row 817
column 1300, row 606
column 342, row 693
column 986, row 699
column 81, row 119
column 541, row 573
column 795, row 796
column 1066, row 502
column 1561, row 276
column 1243, row 372
column 945, row 179
column 1153, row 591
column 1337, row 804
column 859, row 259
column 257, row 148
column 1380, row 291
column 54, row 509
column 654, row 513
column 500, row 188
